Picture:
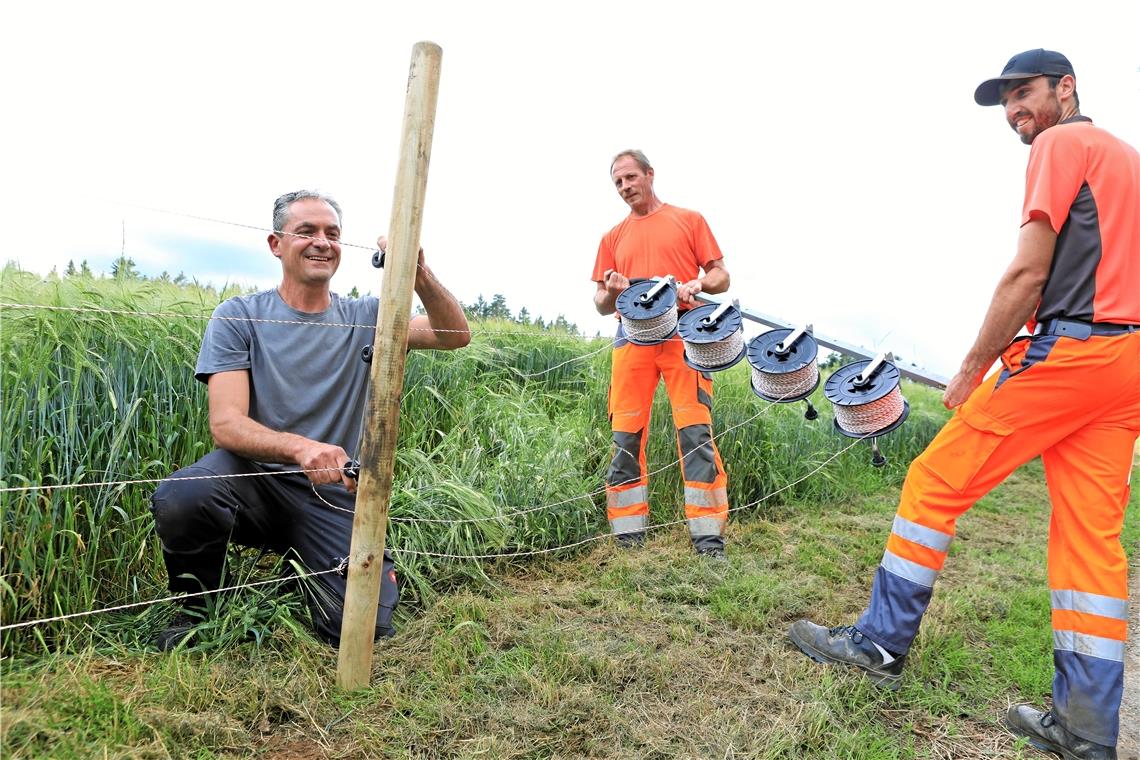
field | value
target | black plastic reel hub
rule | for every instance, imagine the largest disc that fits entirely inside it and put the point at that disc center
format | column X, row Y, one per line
column 631, row 306
column 378, row 259
column 764, row 356
column 844, row 388
column 693, row 329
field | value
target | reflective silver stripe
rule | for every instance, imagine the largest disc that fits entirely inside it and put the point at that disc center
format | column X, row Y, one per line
column 633, row 524
column 920, row 534
column 706, row 526
column 1093, row 646
column 627, row 498
column 706, row 497
column 1093, row 604
column 911, row 571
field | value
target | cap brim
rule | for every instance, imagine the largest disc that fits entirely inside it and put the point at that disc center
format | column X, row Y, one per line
column 989, row 91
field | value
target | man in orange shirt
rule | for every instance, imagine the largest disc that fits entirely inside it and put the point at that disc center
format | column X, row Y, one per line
column 656, row 240
column 1068, row 393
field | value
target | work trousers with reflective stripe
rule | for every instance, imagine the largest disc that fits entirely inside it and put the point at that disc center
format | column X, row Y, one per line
column 636, row 372
column 1077, row 405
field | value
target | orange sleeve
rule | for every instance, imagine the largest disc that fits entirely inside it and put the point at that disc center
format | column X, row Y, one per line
column 1053, row 178
column 704, row 244
column 605, row 258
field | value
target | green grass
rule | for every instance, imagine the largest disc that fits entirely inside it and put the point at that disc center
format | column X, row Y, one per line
column 588, row 653
column 608, row 654
column 513, row 422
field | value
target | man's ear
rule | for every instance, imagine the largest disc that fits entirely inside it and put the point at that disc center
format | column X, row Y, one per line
column 274, row 241
column 1066, row 87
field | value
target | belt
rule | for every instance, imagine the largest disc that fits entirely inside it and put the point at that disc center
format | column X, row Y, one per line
column 1072, row 328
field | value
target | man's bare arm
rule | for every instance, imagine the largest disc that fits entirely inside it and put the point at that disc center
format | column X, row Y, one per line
column 609, row 288
column 235, row 431
column 715, row 280
column 444, row 327
column 1014, row 301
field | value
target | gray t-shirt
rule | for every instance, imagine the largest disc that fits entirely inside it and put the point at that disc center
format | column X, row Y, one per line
column 306, row 372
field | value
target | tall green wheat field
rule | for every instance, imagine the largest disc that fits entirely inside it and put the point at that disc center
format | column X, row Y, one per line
column 503, row 448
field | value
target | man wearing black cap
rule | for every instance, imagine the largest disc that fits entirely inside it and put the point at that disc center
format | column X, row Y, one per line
column 1067, row 392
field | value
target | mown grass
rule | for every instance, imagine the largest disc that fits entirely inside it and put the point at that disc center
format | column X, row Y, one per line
column 654, row 653
column 589, row 653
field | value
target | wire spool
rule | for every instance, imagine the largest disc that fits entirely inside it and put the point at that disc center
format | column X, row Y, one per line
column 648, row 311
column 783, row 366
column 713, row 336
column 867, row 400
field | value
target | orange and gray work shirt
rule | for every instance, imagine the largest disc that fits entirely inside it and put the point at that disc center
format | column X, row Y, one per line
column 670, row 240
column 1085, row 182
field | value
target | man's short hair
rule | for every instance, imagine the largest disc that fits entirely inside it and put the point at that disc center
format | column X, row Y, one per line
column 282, row 204
column 636, row 155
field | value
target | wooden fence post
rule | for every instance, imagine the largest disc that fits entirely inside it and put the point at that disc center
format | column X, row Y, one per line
column 382, row 421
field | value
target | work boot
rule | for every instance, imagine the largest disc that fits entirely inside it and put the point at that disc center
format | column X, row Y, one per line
column 847, row 645
column 709, row 546
column 1046, row 734
column 179, row 629
column 631, row 540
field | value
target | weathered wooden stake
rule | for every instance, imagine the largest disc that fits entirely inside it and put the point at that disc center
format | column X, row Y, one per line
column 382, row 422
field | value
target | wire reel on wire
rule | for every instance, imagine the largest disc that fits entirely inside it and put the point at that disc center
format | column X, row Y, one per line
column 783, row 366
column 648, row 311
column 867, row 401
column 713, row 336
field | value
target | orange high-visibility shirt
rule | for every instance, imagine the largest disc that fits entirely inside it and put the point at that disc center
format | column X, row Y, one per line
column 1086, row 183
column 671, row 240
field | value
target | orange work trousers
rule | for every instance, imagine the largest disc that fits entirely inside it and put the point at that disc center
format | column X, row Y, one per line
column 636, row 372
column 1076, row 403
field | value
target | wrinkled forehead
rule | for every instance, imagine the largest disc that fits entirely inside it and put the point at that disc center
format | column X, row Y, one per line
column 625, row 166
column 312, row 212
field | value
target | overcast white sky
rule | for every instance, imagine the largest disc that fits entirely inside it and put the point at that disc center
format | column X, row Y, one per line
column 834, row 147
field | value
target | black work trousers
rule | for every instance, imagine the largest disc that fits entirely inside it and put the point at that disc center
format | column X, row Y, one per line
column 196, row 520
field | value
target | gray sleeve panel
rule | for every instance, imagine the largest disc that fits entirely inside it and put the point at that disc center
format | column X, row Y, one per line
column 306, row 373
column 626, row 465
column 698, row 459
column 226, row 341
column 1071, row 287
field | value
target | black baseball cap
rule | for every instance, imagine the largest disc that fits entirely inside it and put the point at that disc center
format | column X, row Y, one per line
column 1031, row 63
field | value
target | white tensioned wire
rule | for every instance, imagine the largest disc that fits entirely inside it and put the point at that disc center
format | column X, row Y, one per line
column 654, row 328
column 66, row 486
column 543, row 507
column 340, row 568
column 208, row 317
column 786, row 384
column 873, row 416
column 603, row 536
column 718, row 354
column 410, row 552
